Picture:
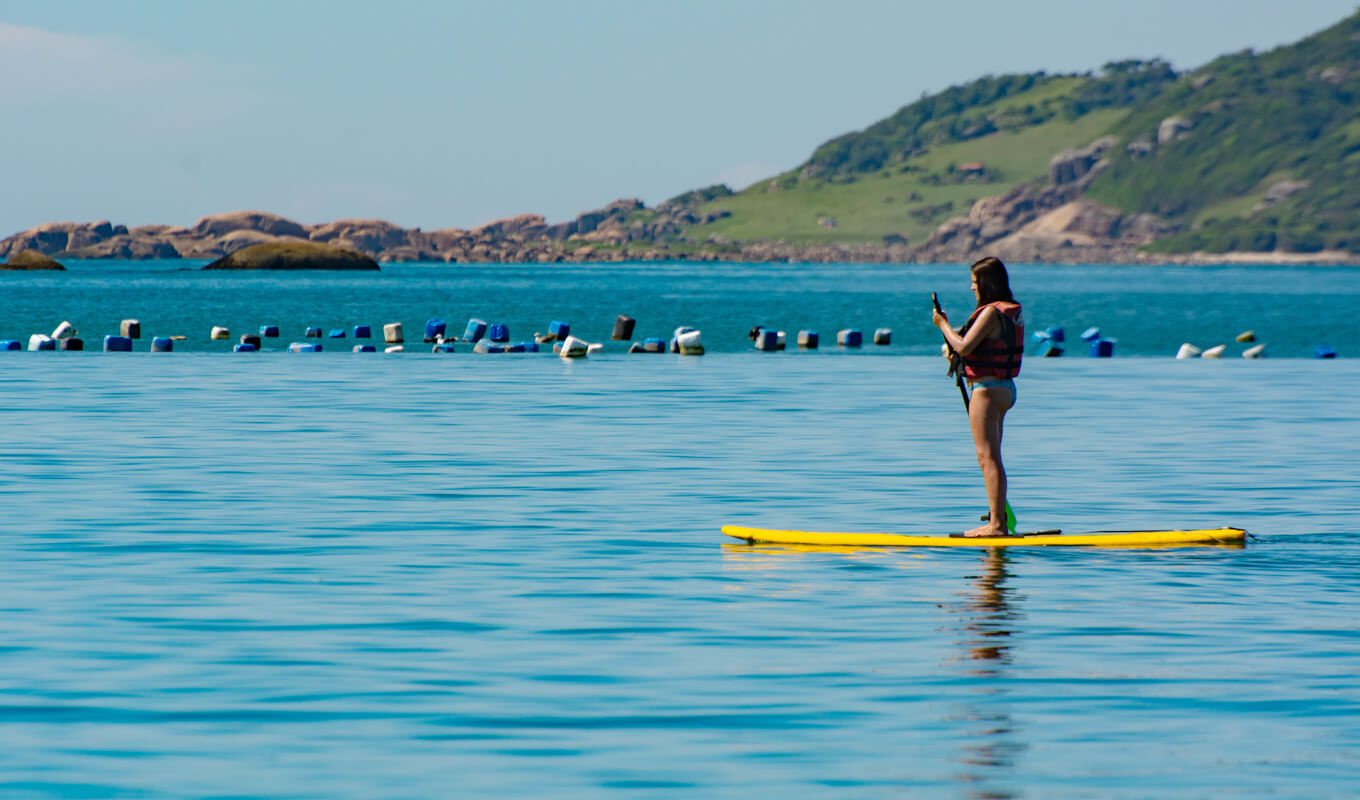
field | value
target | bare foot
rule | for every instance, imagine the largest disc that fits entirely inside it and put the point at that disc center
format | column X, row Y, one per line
column 986, row 530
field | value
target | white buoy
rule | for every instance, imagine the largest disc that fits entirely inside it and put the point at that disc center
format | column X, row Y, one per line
column 131, row 329
column 396, row 348
column 41, row 341
column 392, row 333
column 218, row 332
column 1259, row 351
column 64, row 331
column 689, row 343
column 595, row 347
column 781, row 340
column 1214, row 352
column 573, row 348
column 1188, row 351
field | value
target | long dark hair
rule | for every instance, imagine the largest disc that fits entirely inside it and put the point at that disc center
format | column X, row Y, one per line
column 993, row 282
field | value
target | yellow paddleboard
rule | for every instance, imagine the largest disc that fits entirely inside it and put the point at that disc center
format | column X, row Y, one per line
column 1215, row 536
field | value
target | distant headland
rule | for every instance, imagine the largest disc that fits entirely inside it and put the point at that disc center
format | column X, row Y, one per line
column 1251, row 158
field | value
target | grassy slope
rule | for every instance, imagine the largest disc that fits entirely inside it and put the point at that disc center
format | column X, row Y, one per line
column 1262, row 118
column 878, row 203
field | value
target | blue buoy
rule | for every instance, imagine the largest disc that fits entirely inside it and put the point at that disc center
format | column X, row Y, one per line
column 363, row 332
column 1047, row 349
column 808, row 340
column 313, row 332
column 485, row 346
column 1042, row 336
column 653, row 345
column 244, row 347
column 9, row 344
column 117, row 344
column 559, row 330
column 850, row 337
column 474, row 331
column 1101, row 348
column 434, row 329
column 162, row 344
column 498, row 332
column 365, row 348
column 73, row 343
column 269, row 331
column 1324, row 351
column 302, row 347
column 442, row 347
column 1056, row 334
column 336, row 333
column 524, row 347
column 1091, row 334
column 767, row 340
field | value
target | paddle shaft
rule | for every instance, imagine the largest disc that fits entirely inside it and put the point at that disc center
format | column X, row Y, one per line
column 956, row 367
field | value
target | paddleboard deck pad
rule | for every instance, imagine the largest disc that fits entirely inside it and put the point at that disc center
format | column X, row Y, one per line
column 1215, row 536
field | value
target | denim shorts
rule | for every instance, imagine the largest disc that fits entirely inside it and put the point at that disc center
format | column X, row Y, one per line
column 996, row 383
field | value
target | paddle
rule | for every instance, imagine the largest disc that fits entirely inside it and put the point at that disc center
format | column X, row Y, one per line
column 956, row 369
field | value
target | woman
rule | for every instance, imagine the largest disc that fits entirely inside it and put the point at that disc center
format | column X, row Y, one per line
column 990, row 344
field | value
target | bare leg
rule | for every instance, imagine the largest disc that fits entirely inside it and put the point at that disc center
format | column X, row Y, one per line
column 986, row 413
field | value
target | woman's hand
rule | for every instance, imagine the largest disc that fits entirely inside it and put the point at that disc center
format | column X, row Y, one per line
column 939, row 318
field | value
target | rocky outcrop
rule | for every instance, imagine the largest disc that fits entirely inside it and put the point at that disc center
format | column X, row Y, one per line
column 262, row 221
column 1047, row 221
column 1080, row 165
column 1173, row 128
column 31, row 260
column 295, row 255
column 126, row 247
column 1278, row 193
column 368, row 235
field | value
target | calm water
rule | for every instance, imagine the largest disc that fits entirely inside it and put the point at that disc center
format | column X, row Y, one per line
column 424, row 576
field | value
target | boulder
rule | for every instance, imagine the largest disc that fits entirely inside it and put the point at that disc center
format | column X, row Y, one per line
column 30, row 260
column 371, row 235
column 1071, row 165
column 241, row 239
column 262, row 221
column 1142, row 146
column 1173, row 128
column 509, row 225
column 295, row 255
column 1279, row 192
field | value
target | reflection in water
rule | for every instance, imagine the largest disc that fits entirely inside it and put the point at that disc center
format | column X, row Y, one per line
column 992, row 744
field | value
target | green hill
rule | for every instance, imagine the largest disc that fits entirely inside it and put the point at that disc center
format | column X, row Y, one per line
column 1264, row 154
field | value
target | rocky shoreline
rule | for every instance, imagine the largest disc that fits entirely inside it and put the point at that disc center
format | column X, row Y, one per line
column 1045, row 221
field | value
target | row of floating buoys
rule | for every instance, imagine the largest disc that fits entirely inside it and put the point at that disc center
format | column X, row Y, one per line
column 1188, row 350
column 494, row 338
column 770, row 340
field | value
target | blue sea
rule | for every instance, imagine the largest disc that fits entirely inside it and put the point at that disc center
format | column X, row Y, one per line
column 461, row 575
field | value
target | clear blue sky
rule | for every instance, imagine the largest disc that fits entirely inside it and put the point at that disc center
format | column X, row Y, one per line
column 439, row 113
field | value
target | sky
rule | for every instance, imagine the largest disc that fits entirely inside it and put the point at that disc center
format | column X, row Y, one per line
column 444, row 113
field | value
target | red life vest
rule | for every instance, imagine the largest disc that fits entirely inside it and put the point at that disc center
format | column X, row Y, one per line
column 997, row 357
